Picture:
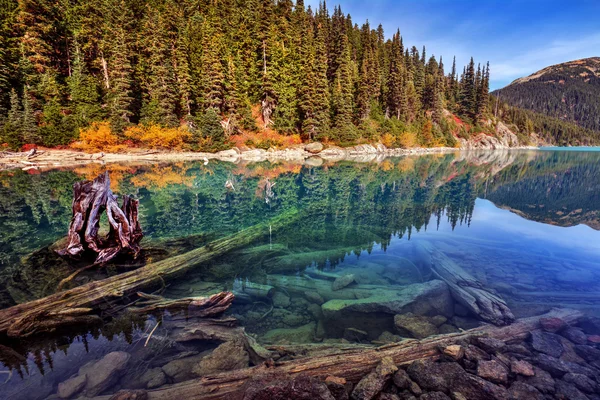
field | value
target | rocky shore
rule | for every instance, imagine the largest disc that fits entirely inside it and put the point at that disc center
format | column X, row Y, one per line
column 311, row 154
column 556, row 361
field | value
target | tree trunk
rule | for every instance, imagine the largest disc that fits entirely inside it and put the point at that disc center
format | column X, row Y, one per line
column 465, row 288
column 90, row 199
column 25, row 319
column 352, row 364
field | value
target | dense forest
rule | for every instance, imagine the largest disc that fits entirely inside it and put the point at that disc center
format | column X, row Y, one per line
column 194, row 73
column 569, row 91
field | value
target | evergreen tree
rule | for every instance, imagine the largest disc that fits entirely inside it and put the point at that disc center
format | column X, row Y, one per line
column 83, row 92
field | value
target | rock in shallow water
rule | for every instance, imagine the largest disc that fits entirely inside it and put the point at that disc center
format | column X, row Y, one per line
column 521, row 367
column 373, row 383
column 547, row 343
column 71, row 387
column 523, row 391
column 276, row 387
column 228, row 356
column 342, row 281
column 416, row 326
column 492, row 371
column 302, row 334
column 104, row 373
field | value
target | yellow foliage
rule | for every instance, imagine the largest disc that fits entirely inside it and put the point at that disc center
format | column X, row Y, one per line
column 162, row 176
column 408, row 139
column 155, row 136
column 98, row 137
column 388, row 140
column 387, row 165
column 406, row 164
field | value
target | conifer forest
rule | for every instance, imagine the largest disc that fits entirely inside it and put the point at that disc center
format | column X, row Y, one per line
column 192, row 74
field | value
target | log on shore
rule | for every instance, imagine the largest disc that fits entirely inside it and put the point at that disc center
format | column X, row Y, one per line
column 24, row 319
column 464, row 287
column 351, row 365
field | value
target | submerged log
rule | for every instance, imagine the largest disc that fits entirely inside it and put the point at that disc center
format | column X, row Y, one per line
column 22, row 320
column 465, row 288
column 90, row 199
column 351, row 364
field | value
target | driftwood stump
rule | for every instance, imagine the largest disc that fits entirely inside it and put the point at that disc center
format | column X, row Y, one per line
column 90, row 200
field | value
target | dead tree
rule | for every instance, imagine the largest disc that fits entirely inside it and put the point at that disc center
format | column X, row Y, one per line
column 90, row 200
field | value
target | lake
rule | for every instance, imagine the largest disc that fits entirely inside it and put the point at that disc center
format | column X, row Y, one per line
column 343, row 269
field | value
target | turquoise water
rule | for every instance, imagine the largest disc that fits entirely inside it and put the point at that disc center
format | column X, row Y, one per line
column 525, row 224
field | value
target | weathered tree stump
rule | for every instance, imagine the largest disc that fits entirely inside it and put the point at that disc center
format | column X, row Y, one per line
column 90, row 200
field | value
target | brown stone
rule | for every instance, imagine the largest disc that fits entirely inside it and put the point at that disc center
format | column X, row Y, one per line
column 455, row 351
column 492, row 371
column 373, row 383
column 522, row 368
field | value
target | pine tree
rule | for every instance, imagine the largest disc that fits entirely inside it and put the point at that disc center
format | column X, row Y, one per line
column 115, row 52
column 342, row 88
column 83, row 92
column 160, row 103
column 468, row 90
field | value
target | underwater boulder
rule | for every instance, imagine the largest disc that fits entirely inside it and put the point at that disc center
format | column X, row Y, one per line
column 430, row 298
column 228, row 356
column 416, row 326
column 302, row 334
column 342, row 281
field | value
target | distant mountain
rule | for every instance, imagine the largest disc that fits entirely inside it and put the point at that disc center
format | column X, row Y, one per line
column 569, row 91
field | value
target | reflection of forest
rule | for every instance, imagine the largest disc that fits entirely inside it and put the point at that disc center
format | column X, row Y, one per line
column 347, row 205
column 560, row 188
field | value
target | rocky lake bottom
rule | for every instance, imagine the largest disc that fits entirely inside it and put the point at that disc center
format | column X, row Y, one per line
column 403, row 253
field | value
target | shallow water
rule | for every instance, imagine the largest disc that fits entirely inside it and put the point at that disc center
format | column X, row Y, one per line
column 525, row 224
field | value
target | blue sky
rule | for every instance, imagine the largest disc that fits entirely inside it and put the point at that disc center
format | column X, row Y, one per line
column 516, row 37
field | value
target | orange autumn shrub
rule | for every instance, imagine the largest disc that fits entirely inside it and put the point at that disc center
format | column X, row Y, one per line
column 157, row 137
column 98, row 137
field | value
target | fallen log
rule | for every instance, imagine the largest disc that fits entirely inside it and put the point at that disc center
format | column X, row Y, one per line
column 23, row 319
column 351, row 364
column 90, row 199
column 192, row 306
column 465, row 289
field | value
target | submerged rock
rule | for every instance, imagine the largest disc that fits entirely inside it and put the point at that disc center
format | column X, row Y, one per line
column 228, row 356
column 104, row 373
column 181, row 369
column 342, row 281
column 416, row 326
column 280, row 300
column 521, row 367
column 455, row 351
column 429, row 298
column 71, row 387
column 282, row 387
column 373, row 383
column 314, row 297
column 302, row 334
column 547, row 343
column 575, row 335
column 523, row 391
column 492, row 371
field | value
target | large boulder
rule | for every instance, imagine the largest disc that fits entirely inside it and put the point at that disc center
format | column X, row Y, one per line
column 302, row 334
column 228, row 356
column 104, row 373
column 416, row 326
column 180, row 370
column 342, row 281
column 430, row 298
column 547, row 343
column 71, row 387
column 314, row 147
column 373, row 383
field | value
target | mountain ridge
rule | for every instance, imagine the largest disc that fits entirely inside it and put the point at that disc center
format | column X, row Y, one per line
column 569, row 91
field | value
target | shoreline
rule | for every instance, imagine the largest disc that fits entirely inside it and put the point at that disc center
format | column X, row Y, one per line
column 45, row 159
